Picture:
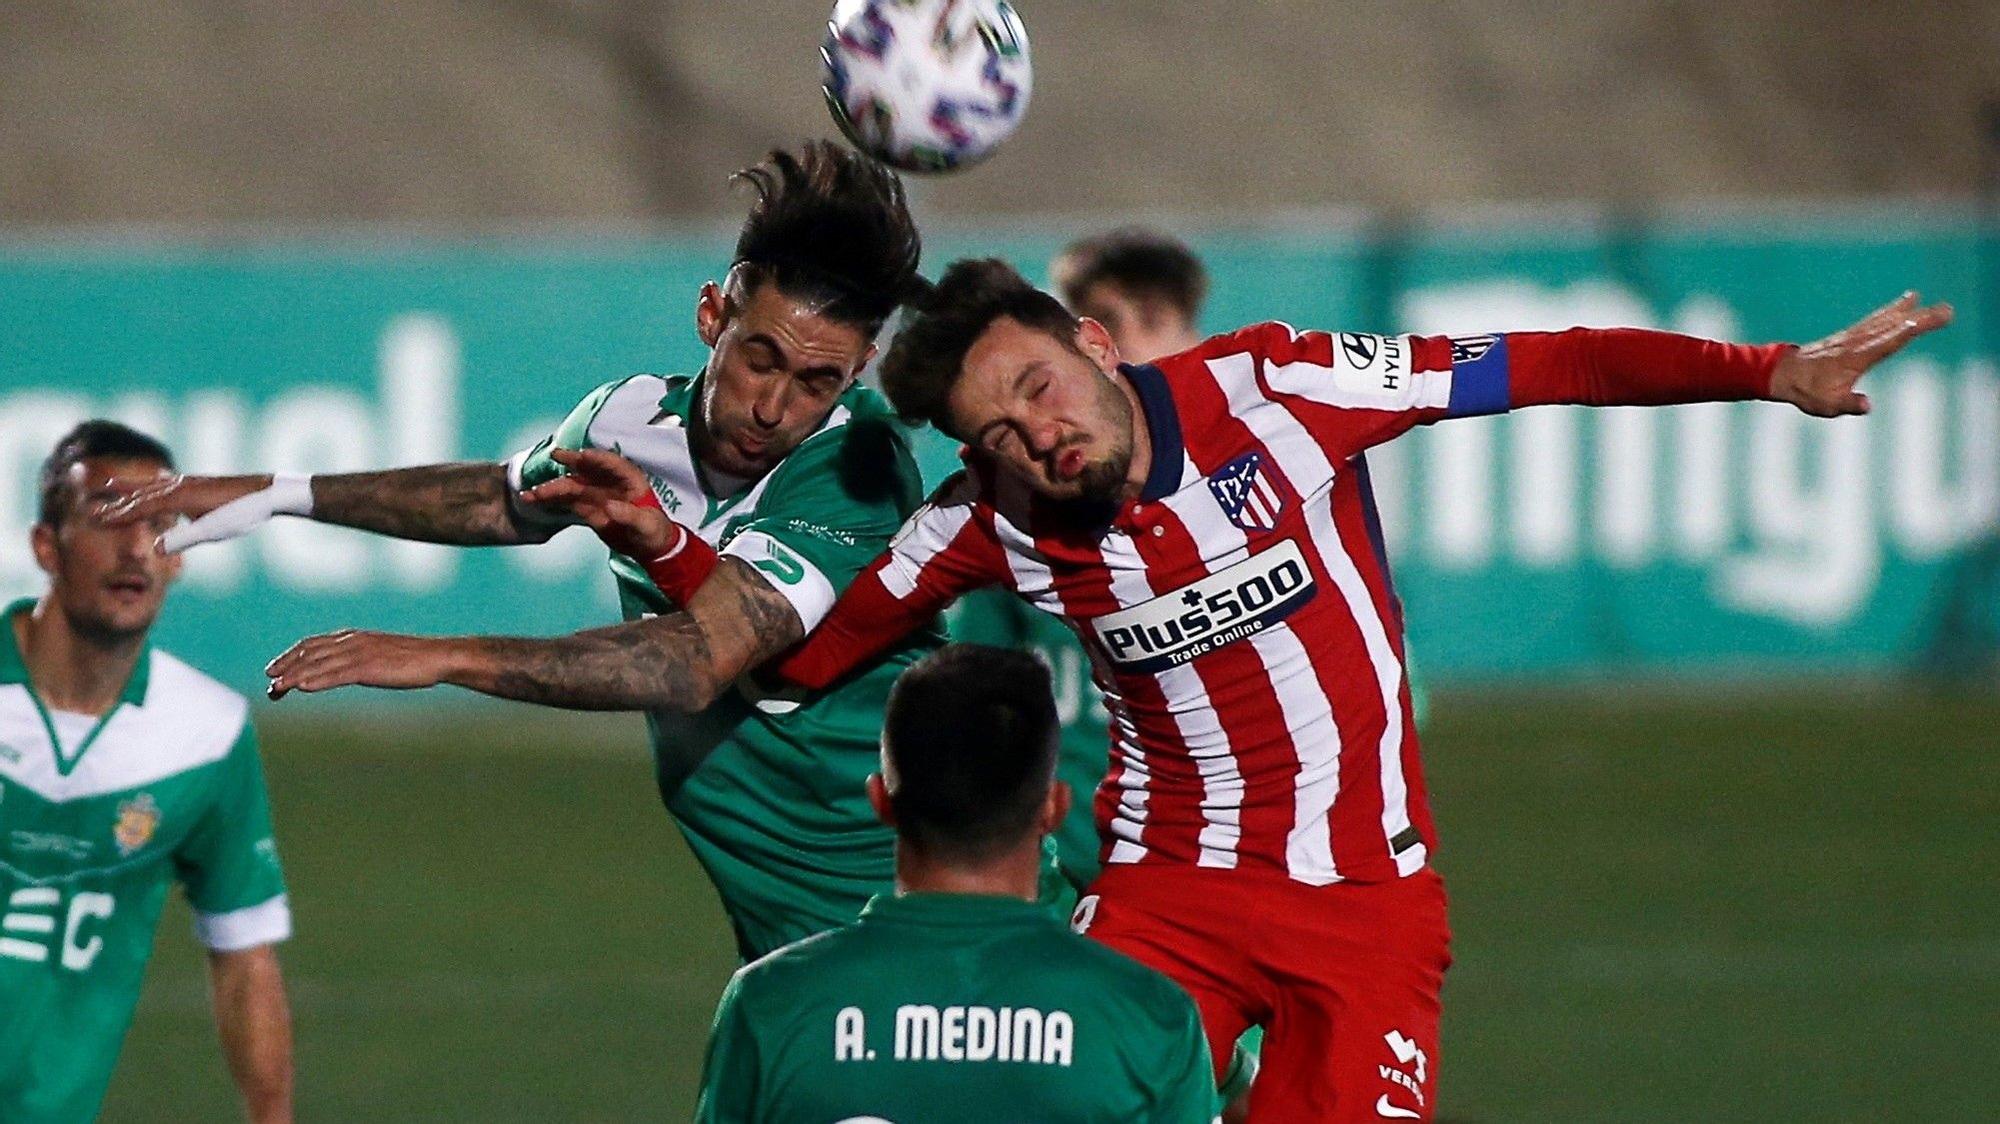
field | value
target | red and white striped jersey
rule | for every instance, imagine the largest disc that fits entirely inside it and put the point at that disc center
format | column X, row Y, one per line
column 1239, row 612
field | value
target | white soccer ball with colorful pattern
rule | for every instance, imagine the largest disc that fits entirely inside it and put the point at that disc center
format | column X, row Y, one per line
column 926, row 85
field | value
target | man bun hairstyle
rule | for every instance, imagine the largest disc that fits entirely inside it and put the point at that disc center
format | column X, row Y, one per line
column 831, row 227
column 969, row 745
column 95, row 438
column 928, row 353
column 1142, row 263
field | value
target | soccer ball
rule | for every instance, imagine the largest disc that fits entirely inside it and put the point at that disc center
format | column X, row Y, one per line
column 926, row 85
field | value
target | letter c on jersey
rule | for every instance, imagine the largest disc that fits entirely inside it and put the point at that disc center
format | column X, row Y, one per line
column 77, row 957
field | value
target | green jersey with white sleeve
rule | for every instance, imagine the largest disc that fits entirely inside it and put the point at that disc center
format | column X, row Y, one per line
column 768, row 790
column 98, row 816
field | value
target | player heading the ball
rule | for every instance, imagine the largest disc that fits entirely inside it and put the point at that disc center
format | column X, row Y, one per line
column 776, row 459
column 1204, row 523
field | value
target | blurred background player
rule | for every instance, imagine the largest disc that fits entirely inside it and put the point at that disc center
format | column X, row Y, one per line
column 959, row 995
column 122, row 770
column 776, row 457
column 1146, row 287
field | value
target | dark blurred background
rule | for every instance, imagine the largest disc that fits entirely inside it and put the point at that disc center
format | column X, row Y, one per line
column 201, row 112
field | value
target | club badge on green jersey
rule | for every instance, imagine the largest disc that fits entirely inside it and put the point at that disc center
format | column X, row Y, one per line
column 138, row 819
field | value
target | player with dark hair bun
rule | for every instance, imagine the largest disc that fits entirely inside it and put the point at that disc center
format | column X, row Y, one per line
column 777, row 459
column 830, row 229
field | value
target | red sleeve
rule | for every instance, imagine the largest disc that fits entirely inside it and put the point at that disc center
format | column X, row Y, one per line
column 1634, row 367
column 1353, row 391
column 947, row 549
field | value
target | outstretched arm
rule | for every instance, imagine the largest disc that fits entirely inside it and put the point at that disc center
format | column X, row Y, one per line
column 1631, row 366
column 1353, row 391
column 464, row 504
column 681, row 661
column 945, row 550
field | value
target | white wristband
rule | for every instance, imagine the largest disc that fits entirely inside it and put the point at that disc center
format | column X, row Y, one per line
column 289, row 493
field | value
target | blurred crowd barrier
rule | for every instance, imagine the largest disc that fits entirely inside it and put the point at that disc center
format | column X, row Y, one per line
column 1722, row 540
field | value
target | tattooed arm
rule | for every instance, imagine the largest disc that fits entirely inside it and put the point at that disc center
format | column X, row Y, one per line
column 464, row 504
column 681, row 661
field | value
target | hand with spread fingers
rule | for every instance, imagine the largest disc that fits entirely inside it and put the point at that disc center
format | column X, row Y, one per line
column 1819, row 377
column 614, row 497
column 352, row 658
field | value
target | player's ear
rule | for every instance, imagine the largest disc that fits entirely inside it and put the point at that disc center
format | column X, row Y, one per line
column 878, row 799
column 1056, row 806
column 42, row 540
column 711, row 313
column 1094, row 340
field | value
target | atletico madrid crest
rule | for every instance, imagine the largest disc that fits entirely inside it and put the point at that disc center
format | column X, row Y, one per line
column 1247, row 493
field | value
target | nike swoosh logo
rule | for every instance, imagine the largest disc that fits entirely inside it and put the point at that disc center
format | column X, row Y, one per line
column 1384, row 1108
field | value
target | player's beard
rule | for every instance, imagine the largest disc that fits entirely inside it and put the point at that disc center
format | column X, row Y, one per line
column 1103, row 481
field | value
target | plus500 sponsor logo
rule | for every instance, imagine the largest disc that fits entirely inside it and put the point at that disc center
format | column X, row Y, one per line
column 1204, row 615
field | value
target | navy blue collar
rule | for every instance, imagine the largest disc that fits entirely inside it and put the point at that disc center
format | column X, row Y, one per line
column 1163, row 427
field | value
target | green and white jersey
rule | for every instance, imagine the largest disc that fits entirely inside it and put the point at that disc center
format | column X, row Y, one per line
column 97, row 817
column 769, row 791
column 944, row 1007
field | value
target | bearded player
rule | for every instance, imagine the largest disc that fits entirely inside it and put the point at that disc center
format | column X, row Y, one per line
column 122, row 771
column 1146, row 288
column 1205, row 525
column 779, row 460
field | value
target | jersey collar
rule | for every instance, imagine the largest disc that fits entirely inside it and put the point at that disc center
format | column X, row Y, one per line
column 14, row 669
column 976, row 910
column 14, row 665
column 1163, row 428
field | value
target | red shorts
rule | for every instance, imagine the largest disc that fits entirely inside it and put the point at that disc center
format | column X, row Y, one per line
column 1344, row 978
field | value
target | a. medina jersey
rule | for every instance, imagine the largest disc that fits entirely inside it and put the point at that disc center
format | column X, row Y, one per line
column 97, row 817
column 959, row 1008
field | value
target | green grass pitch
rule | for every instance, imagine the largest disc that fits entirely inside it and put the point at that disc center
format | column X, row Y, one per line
column 1675, row 907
